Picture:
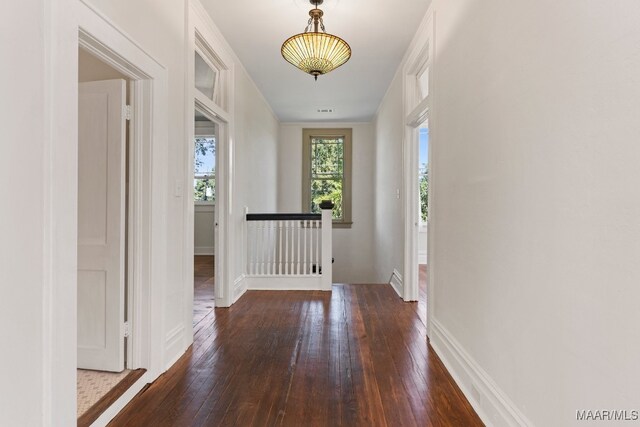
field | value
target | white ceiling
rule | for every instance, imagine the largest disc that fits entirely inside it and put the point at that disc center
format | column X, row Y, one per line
column 378, row 31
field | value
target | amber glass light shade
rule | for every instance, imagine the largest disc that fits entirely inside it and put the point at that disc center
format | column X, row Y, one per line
column 316, row 52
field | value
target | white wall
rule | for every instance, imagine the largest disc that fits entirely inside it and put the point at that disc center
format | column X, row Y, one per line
column 256, row 154
column 389, row 131
column 203, row 229
column 422, row 245
column 22, row 272
column 352, row 247
column 536, row 203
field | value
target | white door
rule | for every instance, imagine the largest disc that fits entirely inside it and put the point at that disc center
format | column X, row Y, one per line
column 101, row 225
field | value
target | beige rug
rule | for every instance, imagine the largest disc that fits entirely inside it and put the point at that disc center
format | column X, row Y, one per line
column 93, row 385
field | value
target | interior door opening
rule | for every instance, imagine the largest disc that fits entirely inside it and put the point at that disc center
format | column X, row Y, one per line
column 422, row 138
column 103, row 222
column 206, row 136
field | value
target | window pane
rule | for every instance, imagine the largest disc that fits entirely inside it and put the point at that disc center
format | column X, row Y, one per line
column 205, row 77
column 327, row 189
column 205, row 157
column 423, row 174
column 204, row 182
column 204, row 190
column 422, row 80
column 327, row 157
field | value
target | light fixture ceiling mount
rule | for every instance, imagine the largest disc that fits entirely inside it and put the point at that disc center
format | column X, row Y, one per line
column 315, row 51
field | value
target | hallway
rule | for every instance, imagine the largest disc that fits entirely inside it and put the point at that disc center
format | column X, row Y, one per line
column 357, row 356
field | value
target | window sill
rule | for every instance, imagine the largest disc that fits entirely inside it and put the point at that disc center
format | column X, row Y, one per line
column 204, row 207
column 342, row 224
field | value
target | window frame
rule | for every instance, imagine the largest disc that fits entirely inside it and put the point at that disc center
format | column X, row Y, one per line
column 347, row 134
column 207, row 131
column 216, row 76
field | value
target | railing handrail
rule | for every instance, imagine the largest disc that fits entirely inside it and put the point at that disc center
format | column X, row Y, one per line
column 283, row 217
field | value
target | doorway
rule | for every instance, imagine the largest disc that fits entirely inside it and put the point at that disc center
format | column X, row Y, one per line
column 418, row 174
column 103, row 242
column 206, row 135
column 422, row 139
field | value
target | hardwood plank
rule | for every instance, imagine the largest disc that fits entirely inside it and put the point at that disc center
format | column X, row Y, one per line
column 422, row 299
column 357, row 356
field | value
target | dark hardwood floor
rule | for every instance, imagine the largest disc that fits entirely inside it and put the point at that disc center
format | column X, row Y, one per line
column 203, row 293
column 355, row 357
column 422, row 299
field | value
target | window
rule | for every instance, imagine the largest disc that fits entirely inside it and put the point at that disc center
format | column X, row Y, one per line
column 204, row 180
column 206, row 77
column 326, row 160
column 422, row 83
column 423, row 172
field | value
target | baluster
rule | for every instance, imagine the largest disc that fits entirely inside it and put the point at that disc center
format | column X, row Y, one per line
column 286, row 248
column 259, row 248
column 310, row 271
column 254, row 255
column 265, row 249
column 255, row 244
column 263, row 252
column 298, row 257
column 265, row 246
column 317, row 228
column 293, row 247
column 270, row 253
column 274, row 240
column 280, row 248
column 249, row 244
column 269, row 239
column 305, row 224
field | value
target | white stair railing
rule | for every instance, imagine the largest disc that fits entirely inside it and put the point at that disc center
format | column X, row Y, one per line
column 289, row 251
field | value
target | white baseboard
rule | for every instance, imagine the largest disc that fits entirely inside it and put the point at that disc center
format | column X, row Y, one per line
column 204, row 250
column 239, row 287
column 396, row 282
column 490, row 403
column 174, row 345
column 122, row 401
column 288, row 283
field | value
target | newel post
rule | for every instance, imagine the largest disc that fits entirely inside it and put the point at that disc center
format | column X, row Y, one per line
column 327, row 258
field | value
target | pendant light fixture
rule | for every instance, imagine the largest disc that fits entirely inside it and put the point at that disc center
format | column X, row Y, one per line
column 315, row 51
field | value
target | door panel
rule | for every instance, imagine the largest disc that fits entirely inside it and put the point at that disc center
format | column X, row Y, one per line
column 101, row 225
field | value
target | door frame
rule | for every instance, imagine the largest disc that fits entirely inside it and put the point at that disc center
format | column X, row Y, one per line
column 221, row 203
column 71, row 25
column 415, row 112
column 203, row 37
column 139, row 215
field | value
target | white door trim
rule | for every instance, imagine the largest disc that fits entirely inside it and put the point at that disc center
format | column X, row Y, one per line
column 73, row 24
column 146, row 201
column 203, row 36
column 416, row 111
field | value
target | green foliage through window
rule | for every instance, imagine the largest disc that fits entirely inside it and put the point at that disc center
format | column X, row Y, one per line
column 204, row 182
column 423, row 184
column 327, row 173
